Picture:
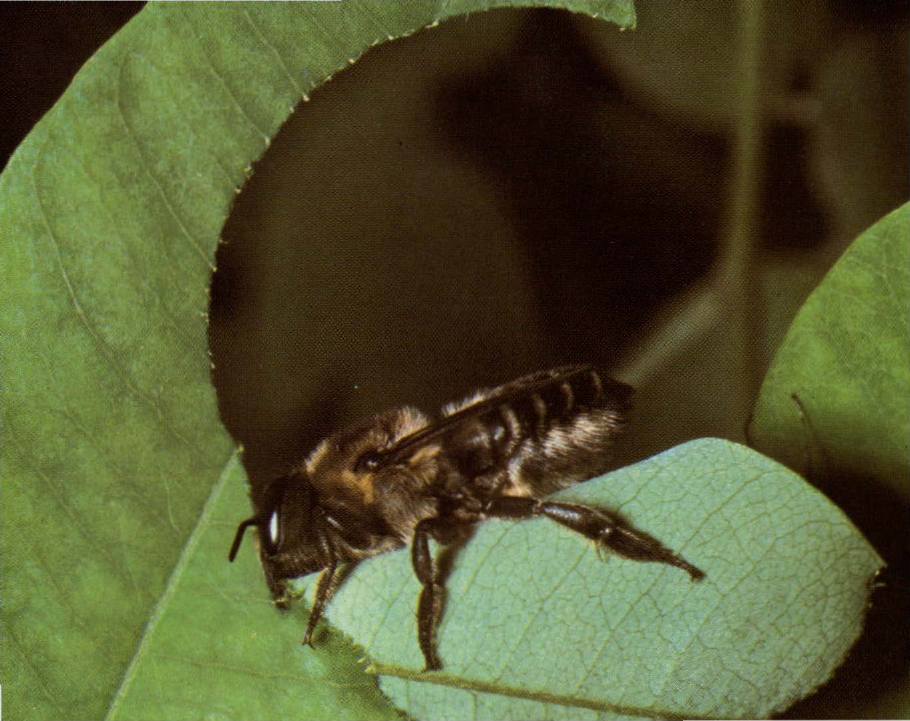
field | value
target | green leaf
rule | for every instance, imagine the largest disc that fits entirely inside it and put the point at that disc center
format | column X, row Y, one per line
column 833, row 406
column 536, row 626
column 110, row 213
column 835, row 397
column 215, row 646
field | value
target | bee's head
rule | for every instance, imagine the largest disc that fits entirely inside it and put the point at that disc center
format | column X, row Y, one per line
column 302, row 530
column 336, row 507
column 291, row 529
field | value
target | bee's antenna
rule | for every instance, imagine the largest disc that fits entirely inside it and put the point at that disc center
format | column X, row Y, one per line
column 239, row 537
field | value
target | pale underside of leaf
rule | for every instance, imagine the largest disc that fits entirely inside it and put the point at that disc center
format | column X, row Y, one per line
column 535, row 621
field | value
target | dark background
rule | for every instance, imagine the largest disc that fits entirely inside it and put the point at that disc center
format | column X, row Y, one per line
column 528, row 188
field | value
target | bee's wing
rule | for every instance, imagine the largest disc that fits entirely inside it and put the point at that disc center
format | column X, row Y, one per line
column 571, row 387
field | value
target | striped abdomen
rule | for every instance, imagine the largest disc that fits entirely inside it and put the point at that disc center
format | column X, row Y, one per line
column 539, row 433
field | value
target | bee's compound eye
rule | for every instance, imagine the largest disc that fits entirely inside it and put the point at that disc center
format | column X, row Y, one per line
column 368, row 461
column 273, row 528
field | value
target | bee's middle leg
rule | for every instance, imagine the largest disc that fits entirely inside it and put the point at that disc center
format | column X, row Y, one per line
column 323, row 587
column 595, row 525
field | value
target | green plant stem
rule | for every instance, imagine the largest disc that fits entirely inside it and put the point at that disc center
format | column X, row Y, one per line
column 737, row 283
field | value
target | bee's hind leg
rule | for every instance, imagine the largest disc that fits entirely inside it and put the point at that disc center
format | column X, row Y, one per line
column 595, row 525
column 432, row 595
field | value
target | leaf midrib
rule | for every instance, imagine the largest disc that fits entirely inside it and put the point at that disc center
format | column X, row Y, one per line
column 500, row 689
column 170, row 588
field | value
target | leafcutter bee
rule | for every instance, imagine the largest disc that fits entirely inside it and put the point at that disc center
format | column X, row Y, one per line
column 401, row 478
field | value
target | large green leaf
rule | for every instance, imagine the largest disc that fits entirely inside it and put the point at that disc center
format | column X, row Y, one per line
column 835, row 397
column 109, row 214
column 834, row 407
column 216, row 647
column 536, row 626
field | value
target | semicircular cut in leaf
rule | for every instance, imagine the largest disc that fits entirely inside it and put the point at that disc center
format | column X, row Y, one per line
column 110, row 212
column 537, row 626
column 836, row 394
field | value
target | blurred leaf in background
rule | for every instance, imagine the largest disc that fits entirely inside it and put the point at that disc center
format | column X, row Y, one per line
column 833, row 406
column 835, row 395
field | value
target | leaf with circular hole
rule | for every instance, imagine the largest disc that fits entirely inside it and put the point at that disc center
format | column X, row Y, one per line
column 110, row 213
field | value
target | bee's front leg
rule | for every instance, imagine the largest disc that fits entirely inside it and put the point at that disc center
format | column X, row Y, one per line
column 278, row 587
column 429, row 606
column 595, row 525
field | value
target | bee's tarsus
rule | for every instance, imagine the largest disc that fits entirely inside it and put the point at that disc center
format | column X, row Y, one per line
column 606, row 533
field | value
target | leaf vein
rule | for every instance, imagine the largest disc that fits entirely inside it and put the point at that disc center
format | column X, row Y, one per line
column 147, row 166
column 235, row 100
column 274, row 52
column 101, row 346
column 170, row 588
column 499, row 689
column 74, row 517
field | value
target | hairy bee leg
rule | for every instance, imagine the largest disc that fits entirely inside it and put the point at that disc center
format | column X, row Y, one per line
column 323, row 585
column 593, row 524
column 429, row 605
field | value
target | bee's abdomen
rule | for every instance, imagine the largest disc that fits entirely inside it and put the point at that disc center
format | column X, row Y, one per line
column 544, row 431
column 563, row 398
